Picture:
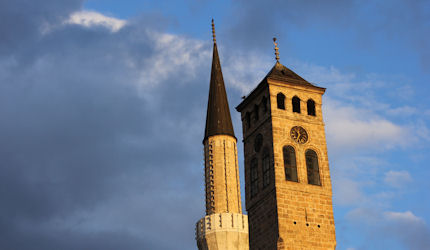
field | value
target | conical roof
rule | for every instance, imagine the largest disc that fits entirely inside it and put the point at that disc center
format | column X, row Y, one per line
column 218, row 119
column 282, row 73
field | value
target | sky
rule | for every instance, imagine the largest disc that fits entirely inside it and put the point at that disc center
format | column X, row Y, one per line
column 103, row 105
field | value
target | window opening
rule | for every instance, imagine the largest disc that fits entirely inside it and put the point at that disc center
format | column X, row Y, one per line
column 254, row 177
column 290, row 163
column 296, row 104
column 264, row 104
column 266, row 167
column 256, row 115
column 248, row 119
column 280, row 98
column 312, row 168
column 311, row 107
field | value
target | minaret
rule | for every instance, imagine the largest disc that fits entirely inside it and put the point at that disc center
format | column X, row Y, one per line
column 224, row 227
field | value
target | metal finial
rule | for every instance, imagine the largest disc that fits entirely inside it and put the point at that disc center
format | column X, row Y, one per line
column 213, row 31
column 276, row 49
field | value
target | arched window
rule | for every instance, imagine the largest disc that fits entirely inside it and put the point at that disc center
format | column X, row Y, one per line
column 296, row 104
column 254, row 177
column 266, row 167
column 280, row 98
column 256, row 115
column 290, row 163
column 264, row 104
column 312, row 167
column 248, row 119
column 311, row 107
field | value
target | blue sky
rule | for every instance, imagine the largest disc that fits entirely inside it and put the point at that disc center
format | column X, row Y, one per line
column 103, row 106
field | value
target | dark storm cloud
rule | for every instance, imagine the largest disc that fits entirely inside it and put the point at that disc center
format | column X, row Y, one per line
column 22, row 20
column 89, row 158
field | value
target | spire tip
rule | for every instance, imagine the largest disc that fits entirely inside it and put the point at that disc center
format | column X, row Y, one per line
column 213, row 31
column 276, row 49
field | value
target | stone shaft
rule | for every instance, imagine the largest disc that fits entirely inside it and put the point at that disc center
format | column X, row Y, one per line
column 222, row 175
column 224, row 227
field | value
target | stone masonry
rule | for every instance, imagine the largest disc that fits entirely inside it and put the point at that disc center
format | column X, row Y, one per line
column 224, row 227
column 285, row 214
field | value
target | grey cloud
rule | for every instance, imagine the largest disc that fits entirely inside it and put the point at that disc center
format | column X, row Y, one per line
column 86, row 160
column 402, row 230
column 22, row 20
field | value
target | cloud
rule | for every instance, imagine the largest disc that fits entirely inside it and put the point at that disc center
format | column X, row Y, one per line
column 244, row 71
column 393, row 229
column 397, row 179
column 173, row 54
column 410, row 229
column 24, row 20
column 92, row 18
column 352, row 127
column 97, row 149
column 403, row 217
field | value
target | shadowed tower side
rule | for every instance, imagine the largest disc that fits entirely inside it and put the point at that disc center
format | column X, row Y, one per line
column 224, row 227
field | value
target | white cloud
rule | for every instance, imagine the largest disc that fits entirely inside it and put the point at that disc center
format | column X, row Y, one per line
column 174, row 55
column 352, row 127
column 404, row 217
column 397, row 179
column 245, row 71
column 91, row 18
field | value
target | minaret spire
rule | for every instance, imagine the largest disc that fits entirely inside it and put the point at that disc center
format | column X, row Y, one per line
column 218, row 119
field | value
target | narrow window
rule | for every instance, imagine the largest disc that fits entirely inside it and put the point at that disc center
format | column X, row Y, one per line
column 311, row 107
column 248, row 119
column 256, row 115
column 290, row 163
column 266, row 168
column 296, row 104
column 254, row 177
column 280, row 98
column 312, row 168
column 264, row 104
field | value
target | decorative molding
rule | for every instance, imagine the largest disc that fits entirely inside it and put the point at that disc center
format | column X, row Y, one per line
column 222, row 222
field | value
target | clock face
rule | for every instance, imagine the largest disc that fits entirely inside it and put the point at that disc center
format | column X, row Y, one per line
column 258, row 142
column 299, row 134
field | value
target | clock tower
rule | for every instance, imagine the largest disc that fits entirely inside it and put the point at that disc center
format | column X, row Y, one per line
column 287, row 177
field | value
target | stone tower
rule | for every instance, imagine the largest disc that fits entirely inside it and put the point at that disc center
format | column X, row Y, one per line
column 224, row 227
column 287, row 176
